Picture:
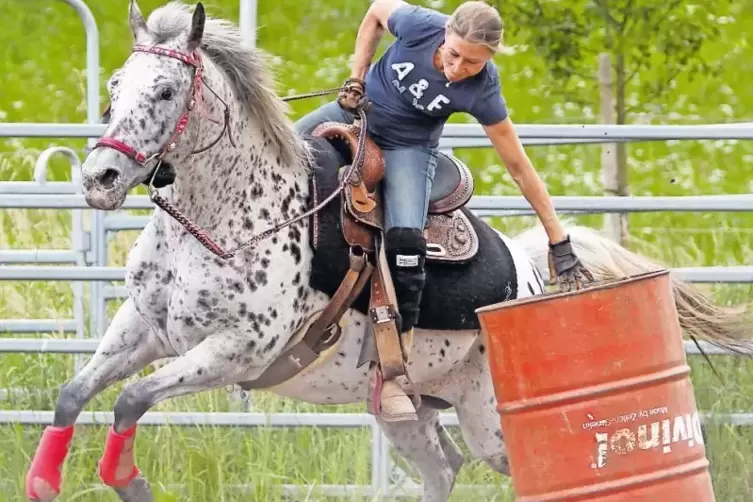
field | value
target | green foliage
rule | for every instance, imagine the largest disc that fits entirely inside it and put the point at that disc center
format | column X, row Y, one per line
column 658, row 40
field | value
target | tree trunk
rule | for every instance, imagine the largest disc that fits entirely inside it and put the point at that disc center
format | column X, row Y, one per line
column 610, row 152
column 622, row 168
column 614, row 155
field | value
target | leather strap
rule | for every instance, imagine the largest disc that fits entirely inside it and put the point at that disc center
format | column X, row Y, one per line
column 383, row 314
column 353, row 283
column 323, row 332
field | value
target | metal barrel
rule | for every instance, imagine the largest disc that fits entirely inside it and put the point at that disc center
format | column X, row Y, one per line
column 594, row 394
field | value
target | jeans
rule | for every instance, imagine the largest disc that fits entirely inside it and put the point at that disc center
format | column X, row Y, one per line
column 408, row 172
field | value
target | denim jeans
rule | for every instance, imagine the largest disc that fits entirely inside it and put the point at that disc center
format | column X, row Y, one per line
column 408, row 176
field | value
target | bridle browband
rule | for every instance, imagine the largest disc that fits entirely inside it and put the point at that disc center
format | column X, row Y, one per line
column 193, row 59
column 194, row 101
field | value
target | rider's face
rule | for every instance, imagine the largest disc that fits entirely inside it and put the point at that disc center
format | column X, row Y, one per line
column 461, row 59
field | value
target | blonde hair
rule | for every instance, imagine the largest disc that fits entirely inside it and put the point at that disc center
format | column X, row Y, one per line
column 478, row 23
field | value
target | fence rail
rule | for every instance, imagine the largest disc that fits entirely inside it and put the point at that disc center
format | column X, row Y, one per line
column 471, row 133
column 491, row 204
column 731, row 274
column 89, row 345
column 277, row 419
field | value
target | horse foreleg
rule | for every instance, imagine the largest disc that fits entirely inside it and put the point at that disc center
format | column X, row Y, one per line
column 214, row 363
column 127, row 346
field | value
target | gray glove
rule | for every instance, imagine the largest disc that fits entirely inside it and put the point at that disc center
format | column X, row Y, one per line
column 566, row 269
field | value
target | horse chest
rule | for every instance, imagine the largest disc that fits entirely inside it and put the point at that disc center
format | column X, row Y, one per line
column 205, row 300
column 188, row 295
column 164, row 282
column 146, row 284
column 185, row 310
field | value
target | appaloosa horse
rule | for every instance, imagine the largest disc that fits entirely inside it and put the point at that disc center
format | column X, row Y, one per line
column 193, row 101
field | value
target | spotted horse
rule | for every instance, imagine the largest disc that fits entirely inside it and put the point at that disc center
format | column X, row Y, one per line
column 194, row 107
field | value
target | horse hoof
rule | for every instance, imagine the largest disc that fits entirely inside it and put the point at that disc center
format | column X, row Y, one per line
column 138, row 490
column 42, row 491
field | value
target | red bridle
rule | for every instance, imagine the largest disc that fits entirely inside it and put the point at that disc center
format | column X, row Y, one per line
column 195, row 97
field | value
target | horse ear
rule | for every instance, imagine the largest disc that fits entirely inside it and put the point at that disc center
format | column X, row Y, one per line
column 197, row 27
column 138, row 24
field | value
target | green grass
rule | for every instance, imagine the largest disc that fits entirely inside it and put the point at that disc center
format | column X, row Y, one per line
column 42, row 61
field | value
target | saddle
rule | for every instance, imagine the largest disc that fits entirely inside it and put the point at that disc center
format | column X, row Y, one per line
column 450, row 236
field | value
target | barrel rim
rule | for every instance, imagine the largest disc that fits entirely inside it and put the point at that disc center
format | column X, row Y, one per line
column 553, row 295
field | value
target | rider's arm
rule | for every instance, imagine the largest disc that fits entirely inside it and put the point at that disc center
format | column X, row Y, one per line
column 370, row 32
column 506, row 142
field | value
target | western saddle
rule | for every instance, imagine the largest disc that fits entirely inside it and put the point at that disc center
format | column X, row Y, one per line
column 449, row 234
column 451, row 239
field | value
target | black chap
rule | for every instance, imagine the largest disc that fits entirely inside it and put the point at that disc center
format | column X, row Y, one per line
column 405, row 249
column 452, row 292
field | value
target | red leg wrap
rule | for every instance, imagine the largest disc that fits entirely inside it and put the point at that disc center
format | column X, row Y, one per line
column 48, row 459
column 116, row 467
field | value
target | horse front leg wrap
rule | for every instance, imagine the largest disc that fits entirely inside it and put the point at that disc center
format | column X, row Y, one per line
column 117, row 467
column 44, row 475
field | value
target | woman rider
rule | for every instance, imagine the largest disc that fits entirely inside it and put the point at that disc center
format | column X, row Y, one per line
column 438, row 65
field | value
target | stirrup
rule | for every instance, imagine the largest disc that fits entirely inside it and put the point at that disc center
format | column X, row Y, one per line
column 402, row 410
column 395, row 405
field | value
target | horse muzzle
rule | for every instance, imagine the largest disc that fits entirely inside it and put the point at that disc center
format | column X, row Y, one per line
column 105, row 186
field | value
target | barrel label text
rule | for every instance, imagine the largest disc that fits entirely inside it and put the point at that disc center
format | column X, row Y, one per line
column 624, row 418
column 661, row 434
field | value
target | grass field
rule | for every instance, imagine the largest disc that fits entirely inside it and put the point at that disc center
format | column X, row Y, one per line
column 42, row 64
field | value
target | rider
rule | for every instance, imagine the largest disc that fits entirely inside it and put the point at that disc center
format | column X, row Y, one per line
column 438, row 65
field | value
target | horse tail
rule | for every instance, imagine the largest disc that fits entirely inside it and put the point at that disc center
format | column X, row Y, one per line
column 700, row 318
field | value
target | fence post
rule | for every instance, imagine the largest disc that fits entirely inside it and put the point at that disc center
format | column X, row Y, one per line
column 609, row 163
column 247, row 20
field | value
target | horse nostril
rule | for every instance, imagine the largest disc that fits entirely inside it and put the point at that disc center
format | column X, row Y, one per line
column 108, row 177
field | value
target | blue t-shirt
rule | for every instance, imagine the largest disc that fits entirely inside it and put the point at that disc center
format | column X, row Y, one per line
column 411, row 99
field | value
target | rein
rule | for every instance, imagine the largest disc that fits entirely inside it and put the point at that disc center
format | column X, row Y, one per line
column 195, row 102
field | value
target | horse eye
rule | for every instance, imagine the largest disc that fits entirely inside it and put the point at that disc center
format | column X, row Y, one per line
column 166, row 95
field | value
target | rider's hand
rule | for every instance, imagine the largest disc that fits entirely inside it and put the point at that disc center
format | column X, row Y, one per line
column 566, row 269
column 353, row 96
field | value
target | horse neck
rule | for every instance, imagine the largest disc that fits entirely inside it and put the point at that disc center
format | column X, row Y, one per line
column 235, row 190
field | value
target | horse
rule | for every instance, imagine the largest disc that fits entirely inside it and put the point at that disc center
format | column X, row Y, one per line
column 194, row 115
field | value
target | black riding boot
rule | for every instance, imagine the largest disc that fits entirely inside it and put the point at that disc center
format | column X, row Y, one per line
column 406, row 254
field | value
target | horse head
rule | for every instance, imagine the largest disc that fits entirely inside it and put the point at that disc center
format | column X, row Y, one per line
column 152, row 97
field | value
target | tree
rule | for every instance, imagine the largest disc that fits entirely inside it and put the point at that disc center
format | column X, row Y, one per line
column 649, row 42
column 652, row 41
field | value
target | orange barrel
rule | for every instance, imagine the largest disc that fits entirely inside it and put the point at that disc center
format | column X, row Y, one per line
column 594, row 395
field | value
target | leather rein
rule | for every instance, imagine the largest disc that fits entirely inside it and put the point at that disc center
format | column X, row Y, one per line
column 195, row 103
